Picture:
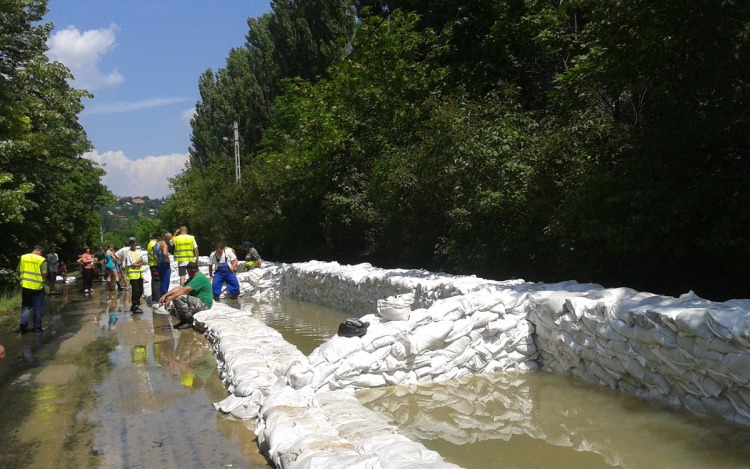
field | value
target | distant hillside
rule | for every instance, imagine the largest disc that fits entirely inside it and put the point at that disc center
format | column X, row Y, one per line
column 122, row 219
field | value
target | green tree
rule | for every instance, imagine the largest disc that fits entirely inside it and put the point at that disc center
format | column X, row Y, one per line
column 57, row 191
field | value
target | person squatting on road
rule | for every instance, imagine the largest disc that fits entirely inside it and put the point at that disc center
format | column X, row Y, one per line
column 224, row 262
column 161, row 252
column 252, row 258
column 32, row 270
column 133, row 261
column 192, row 297
column 153, row 266
column 185, row 250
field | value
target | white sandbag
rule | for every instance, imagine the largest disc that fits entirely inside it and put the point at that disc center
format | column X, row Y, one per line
column 429, row 336
column 396, row 308
column 338, row 348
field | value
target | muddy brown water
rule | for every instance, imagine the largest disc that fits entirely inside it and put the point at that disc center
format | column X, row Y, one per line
column 104, row 388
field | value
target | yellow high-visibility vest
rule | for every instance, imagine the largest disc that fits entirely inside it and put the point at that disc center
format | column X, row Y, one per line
column 150, row 252
column 183, row 248
column 31, row 272
column 132, row 271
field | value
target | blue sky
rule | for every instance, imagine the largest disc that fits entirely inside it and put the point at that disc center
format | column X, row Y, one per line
column 141, row 59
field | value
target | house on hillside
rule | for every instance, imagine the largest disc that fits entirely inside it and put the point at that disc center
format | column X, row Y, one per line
column 110, row 213
column 139, row 201
column 121, row 217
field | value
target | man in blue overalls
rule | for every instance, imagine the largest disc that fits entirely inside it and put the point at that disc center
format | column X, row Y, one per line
column 224, row 263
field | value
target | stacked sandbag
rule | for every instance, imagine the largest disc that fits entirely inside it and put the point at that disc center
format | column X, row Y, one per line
column 684, row 351
column 253, row 359
column 357, row 288
column 298, row 430
column 483, row 332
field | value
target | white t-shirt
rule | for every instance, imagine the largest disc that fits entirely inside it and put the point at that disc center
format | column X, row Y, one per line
column 127, row 258
column 228, row 257
column 121, row 253
column 195, row 246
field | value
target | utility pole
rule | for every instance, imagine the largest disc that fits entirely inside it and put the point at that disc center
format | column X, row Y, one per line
column 101, row 234
column 237, row 171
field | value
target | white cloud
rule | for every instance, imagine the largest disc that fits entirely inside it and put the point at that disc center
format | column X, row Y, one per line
column 146, row 176
column 118, row 107
column 82, row 52
column 187, row 115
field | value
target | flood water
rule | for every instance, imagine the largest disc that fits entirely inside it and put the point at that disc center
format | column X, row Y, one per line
column 104, row 388
column 546, row 420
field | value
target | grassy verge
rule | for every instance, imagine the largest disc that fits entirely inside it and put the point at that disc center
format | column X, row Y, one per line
column 10, row 308
column 10, row 302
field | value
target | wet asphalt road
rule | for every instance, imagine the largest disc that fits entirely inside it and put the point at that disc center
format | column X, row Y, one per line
column 104, row 388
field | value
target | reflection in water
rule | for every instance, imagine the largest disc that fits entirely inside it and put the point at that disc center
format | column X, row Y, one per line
column 457, row 418
column 305, row 325
column 104, row 388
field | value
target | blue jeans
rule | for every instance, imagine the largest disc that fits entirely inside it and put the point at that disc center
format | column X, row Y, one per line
column 32, row 299
column 164, row 274
column 223, row 274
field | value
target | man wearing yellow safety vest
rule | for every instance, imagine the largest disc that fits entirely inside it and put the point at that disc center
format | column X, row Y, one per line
column 32, row 270
column 252, row 258
column 133, row 267
column 185, row 250
column 153, row 264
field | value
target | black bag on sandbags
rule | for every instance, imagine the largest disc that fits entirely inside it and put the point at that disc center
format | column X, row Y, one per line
column 353, row 328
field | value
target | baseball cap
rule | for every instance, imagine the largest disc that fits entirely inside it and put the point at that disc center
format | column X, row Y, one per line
column 192, row 265
column 247, row 244
column 131, row 240
column 157, row 234
column 38, row 248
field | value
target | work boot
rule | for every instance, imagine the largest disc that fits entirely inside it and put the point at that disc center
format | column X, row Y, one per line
column 234, row 296
column 216, row 297
column 38, row 331
column 137, row 310
column 183, row 325
column 24, row 328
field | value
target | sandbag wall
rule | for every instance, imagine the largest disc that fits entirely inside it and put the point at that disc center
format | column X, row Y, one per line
column 357, row 288
column 482, row 332
column 683, row 351
column 269, row 379
column 332, row 430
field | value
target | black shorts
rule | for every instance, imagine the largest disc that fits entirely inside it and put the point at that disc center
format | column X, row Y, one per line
column 182, row 270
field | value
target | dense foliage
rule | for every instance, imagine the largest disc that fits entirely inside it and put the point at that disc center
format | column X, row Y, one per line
column 49, row 194
column 601, row 141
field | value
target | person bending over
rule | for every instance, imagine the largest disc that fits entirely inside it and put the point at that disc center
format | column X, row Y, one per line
column 224, row 262
column 186, row 300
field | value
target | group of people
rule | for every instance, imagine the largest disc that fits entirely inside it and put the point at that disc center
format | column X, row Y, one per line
column 198, row 292
column 195, row 293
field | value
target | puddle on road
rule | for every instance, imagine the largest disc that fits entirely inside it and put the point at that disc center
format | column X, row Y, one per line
column 103, row 388
column 545, row 420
